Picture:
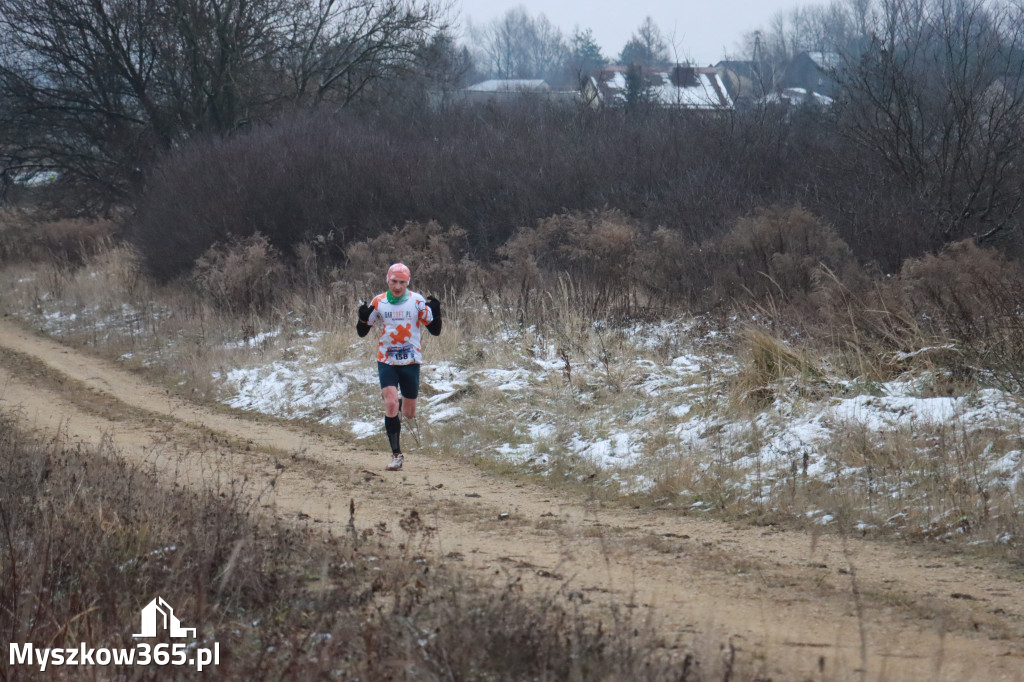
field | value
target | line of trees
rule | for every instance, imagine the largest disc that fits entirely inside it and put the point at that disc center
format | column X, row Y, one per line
column 100, row 89
column 937, row 97
column 924, row 146
column 518, row 45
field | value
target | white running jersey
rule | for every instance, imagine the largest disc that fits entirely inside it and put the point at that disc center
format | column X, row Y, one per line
column 399, row 342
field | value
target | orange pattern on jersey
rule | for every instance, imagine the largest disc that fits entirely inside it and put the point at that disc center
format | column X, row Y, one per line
column 402, row 333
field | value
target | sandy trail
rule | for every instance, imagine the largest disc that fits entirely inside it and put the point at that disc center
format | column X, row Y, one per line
column 812, row 608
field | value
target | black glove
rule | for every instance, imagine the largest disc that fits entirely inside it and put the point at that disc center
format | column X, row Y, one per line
column 363, row 325
column 435, row 309
column 364, row 312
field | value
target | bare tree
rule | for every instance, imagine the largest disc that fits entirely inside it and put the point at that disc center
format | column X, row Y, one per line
column 79, row 85
column 938, row 98
column 843, row 27
column 646, row 47
column 840, row 26
column 440, row 67
column 521, row 46
column 98, row 88
column 339, row 47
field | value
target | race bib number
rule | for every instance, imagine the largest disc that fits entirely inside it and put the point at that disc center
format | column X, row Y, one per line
column 400, row 354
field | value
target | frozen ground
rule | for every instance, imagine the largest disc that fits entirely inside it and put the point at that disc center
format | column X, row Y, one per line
column 658, row 399
column 674, row 406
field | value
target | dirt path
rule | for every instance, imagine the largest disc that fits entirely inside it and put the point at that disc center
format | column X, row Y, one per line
column 812, row 608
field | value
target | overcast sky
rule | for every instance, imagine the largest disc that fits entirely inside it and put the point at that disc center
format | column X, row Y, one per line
column 705, row 30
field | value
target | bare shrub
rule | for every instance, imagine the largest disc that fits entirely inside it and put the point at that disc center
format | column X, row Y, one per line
column 864, row 320
column 972, row 295
column 357, row 177
column 672, row 269
column 599, row 251
column 67, row 242
column 15, row 226
column 437, row 257
column 242, row 276
column 775, row 252
column 313, row 175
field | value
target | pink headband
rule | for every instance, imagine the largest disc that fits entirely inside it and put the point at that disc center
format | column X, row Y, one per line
column 400, row 270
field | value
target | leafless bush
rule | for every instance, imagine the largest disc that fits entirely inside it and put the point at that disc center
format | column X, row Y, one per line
column 494, row 170
column 863, row 322
column 597, row 251
column 674, row 270
column 438, row 258
column 242, row 276
column 66, row 242
column 489, row 171
column 972, row 296
column 775, row 252
column 14, row 229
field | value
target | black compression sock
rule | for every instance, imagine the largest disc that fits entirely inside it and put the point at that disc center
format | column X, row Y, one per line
column 393, row 427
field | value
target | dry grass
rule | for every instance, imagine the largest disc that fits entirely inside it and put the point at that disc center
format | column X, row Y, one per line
column 30, row 236
column 242, row 277
column 769, row 365
column 88, row 540
column 685, row 411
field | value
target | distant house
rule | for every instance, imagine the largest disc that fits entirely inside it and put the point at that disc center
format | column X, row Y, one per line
column 811, row 71
column 507, row 90
column 796, row 97
column 680, row 87
column 1006, row 90
column 747, row 81
column 511, row 86
column 590, row 92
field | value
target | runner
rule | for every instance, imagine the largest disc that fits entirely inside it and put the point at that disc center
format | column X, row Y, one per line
column 401, row 313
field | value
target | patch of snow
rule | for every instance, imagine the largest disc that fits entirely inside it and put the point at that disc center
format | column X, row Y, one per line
column 517, row 454
column 506, row 379
column 680, row 411
column 687, row 363
column 619, row 449
column 441, row 397
column 444, row 414
column 1009, row 468
column 287, row 389
column 253, row 341
column 362, row 429
column 542, row 431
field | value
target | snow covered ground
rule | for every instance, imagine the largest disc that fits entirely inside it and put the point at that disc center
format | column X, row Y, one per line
column 653, row 409
column 676, row 407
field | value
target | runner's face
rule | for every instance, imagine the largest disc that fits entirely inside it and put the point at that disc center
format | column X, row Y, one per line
column 397, row 285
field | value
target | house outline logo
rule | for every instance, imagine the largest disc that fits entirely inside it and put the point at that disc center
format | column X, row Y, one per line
column 171, row 623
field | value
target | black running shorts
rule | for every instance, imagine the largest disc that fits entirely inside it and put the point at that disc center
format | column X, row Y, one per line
column 405, row 377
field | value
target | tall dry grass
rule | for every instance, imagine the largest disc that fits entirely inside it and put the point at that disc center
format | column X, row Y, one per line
column 87, row 540
column 802, row 327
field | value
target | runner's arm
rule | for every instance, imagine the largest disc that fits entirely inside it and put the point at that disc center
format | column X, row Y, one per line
column 435, row 311
column 363, row 325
